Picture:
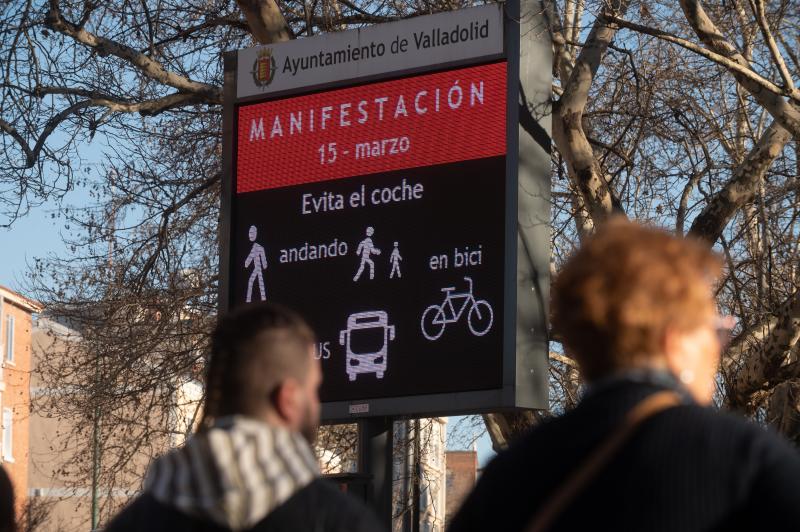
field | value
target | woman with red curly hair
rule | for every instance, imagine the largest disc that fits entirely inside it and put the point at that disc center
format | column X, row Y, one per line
column 643, row 450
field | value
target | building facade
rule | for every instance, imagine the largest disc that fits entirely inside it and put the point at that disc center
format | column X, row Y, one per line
column 63, row 454
column 462, row 474
column 57, row 459
column 16, row 322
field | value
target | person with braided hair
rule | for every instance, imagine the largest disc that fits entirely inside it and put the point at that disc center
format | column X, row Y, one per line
column 250, row 466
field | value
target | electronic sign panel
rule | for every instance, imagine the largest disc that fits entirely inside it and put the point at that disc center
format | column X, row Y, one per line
column 381, row 209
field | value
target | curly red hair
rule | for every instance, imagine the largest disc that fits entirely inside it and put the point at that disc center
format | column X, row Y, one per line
column 616, row 296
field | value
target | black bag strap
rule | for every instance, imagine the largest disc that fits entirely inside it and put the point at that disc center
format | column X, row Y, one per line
column 572, row 486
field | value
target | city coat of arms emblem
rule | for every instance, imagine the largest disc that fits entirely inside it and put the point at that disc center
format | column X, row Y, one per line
column 264, row 68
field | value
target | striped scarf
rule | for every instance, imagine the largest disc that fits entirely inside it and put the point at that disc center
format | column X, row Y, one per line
column 235, row 473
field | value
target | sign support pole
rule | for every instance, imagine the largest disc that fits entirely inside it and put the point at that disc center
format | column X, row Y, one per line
column 375, row 459
column 417, row 476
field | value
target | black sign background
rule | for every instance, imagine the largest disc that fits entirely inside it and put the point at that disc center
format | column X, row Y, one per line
column 462, row 205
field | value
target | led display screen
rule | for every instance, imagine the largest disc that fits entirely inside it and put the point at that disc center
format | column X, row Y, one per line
column 378, row 212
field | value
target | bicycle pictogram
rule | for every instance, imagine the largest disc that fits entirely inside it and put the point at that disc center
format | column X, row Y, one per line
column 479, row 313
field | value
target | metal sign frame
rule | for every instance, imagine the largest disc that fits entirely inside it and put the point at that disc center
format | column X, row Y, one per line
column 527, row 51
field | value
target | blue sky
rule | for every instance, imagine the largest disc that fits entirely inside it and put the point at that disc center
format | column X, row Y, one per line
column 38, row 233
column 34, row 235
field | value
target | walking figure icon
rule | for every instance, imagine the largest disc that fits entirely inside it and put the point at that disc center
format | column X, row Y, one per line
column 395, row 259
column 366, row 248
column 258, row 258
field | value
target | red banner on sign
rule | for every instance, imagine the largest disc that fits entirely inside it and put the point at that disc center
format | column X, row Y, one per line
column 406, row 123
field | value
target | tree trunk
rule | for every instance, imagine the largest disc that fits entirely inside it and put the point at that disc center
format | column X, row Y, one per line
column 742, row 187
column 266, row 21
column 784, row 410
column 568, row 132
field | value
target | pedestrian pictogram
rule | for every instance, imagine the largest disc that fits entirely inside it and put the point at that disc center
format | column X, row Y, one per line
column 258, row 258
column 395, row 259
column 366, row 248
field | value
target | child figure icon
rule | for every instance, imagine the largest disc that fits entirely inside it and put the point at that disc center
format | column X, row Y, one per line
column 258, row 259
column 366, row 248
column 395, row 259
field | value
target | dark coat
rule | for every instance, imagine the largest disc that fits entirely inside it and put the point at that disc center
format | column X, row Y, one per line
column 686, row 469
column 318, row 507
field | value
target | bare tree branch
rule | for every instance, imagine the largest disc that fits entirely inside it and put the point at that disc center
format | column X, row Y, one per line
column 742, row 187
column 145, row 64
column 145, row 108
column 32, row 154
column 721, row 60
column 784, row 112
column 761, row 17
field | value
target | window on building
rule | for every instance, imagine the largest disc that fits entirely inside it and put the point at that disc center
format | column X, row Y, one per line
column 8, row 434
column 10, row 338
